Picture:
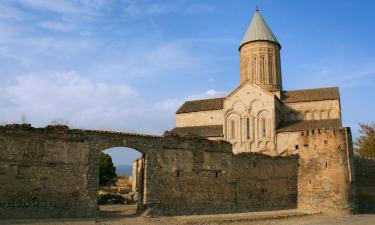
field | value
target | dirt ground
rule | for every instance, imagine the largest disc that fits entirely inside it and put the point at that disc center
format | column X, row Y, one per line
column 128, row 215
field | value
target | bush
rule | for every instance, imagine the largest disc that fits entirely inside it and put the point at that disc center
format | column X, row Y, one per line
column 107, row 171
column 366, row 142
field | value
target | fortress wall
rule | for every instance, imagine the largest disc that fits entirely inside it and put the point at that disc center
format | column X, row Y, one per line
column 204, row 180
column 325, row 177
column 43, row 173
column 365, row 184
column 53, row 172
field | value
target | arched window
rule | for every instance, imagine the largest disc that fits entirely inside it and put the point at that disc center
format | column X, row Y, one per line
column 248, row 69
column 263, row 125
column 263, row 69
column 232, row 129
column 248, row 127
column 270, row 64
column 255, row 67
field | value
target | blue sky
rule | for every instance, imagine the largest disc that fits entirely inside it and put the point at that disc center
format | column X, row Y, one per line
column 128, row 64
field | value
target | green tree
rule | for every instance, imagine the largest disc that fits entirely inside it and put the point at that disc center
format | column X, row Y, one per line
column 366, row 142
column 107, row 171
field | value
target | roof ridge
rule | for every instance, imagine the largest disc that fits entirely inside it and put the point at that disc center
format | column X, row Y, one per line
column 205, row 99
column 309, row 89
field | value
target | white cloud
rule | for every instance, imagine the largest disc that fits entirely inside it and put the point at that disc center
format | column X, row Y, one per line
column 207, row 94
column 82, row 102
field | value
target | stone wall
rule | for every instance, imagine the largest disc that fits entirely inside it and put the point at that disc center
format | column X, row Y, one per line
column 365, row 184
column 312, row 110
column 43, row 173
column 53, row 172
column 209, row 178
column 201, row 118
column 326, row 176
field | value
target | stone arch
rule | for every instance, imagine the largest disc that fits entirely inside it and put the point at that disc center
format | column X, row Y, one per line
column 263, row 125
column 256, row 105
column 239, row 106
column 309, row 115
column 232, row 127
column 137, row 163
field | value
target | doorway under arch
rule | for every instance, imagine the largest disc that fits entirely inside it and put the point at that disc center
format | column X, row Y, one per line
column 123, row 195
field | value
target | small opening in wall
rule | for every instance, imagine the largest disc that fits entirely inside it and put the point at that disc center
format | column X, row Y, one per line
column 197, row 172
column 212, row 117
column 312, row 132
column 326, row 164
column 339, row 147
column 325, row 142
column 305, row 145
column 296, row 147
column 178, row 173
column 216, row 174
column 318, row 131
column 315, row 146
column 309, row 181
column 254, row 164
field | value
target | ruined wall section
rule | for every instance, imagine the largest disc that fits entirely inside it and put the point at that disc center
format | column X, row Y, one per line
column 208, row 178
column 365, row 184
column 43, row 173
column 325, row 176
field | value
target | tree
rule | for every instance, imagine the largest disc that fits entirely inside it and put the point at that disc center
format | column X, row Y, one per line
column 366, row 142
column 107, row 171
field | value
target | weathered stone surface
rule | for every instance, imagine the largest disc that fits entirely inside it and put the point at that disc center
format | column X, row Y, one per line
column 53, row 172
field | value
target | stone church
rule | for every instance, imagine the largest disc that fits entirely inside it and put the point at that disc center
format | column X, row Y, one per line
column 259, row 115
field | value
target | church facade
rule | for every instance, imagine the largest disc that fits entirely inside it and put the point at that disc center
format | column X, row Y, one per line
column 259, row 115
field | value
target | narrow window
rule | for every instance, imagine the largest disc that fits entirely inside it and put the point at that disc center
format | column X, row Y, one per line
column 296, row 147
column 178, row 173
column 254, row 164
column 326, row 165
column 271, row 69
column 232, row 129
column 248, row 71
column 263, row 126
column 263, row 71
column 248, row 127
column 255, row 75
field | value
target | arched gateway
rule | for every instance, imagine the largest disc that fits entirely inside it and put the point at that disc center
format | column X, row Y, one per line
column 53, row 172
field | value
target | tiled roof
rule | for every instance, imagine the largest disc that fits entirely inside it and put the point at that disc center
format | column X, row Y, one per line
column 306, row 95
column 201, row 105
column 258, row 31
column 291, row 126
column 203, row 131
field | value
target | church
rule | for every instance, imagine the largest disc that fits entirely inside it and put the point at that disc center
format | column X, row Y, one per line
column 259, row 115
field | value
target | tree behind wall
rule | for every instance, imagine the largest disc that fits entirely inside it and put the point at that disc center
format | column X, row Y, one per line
column 366, row 142
column 107, row 171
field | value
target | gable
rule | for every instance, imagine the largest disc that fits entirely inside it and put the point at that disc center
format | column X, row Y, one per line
column 249, row 93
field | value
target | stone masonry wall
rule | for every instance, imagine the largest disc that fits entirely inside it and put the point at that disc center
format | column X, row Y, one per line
column 43, row 173
column 326, row 176
column 209, row 178
column 365, row 184
column 53, row 172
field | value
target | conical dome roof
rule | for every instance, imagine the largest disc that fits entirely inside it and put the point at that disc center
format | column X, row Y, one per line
column 258, row 31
